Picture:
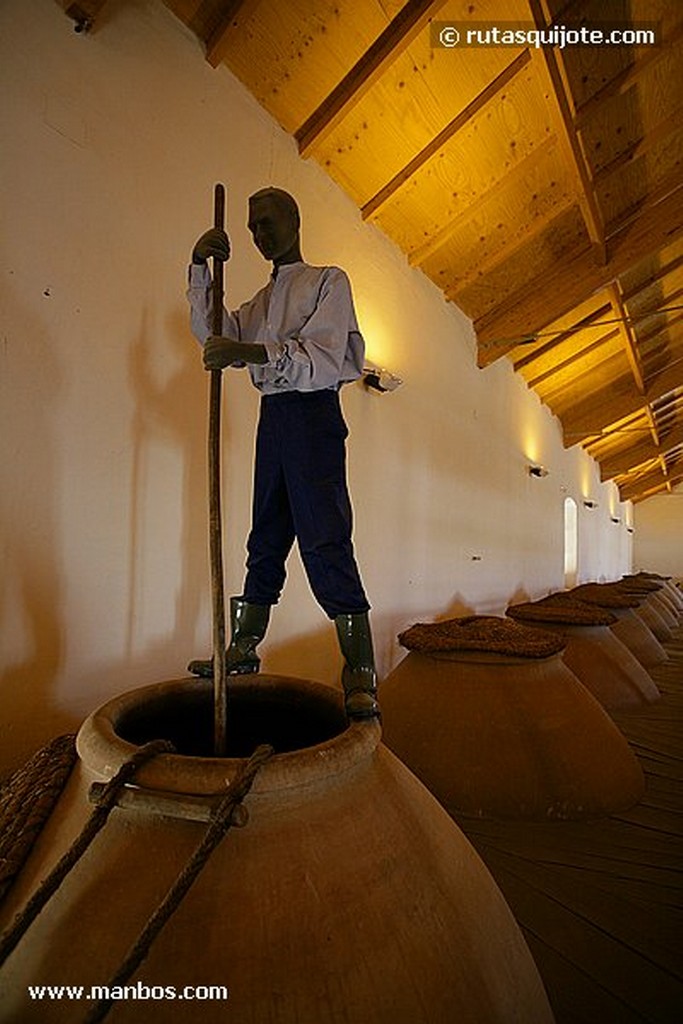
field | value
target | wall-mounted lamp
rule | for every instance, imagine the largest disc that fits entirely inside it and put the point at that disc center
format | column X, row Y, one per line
column 589, row 503
column 381, row 380
column 615, row 519
column 538, row 471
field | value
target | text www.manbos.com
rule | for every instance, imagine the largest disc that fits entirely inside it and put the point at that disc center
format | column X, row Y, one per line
column 203, row 993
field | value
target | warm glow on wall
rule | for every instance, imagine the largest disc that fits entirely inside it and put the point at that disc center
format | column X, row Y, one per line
column 585, row 479
column 379, row 350
column 530, row 444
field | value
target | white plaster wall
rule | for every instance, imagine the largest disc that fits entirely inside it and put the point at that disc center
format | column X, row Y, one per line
column 658, row 534
column 111, row 145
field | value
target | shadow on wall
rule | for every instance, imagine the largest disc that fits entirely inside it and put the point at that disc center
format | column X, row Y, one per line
column 173, row 414
column 31, row 598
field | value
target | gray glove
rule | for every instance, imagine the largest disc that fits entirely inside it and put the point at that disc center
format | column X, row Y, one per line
column 213, row 242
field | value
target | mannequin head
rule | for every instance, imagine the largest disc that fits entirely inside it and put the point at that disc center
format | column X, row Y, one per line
column 274, row 223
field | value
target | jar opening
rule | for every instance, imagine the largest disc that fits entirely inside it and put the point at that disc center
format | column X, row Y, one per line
column 288, row 719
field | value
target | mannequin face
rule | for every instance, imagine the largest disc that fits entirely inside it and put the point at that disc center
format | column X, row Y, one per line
column 274, row 228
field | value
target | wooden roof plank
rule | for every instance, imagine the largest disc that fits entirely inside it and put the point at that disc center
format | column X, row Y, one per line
column 532, row 308
column 625, row 80
column 588, row 418
column 234, row 13
column 639, row 453
column 397, row 36
column 439, row 141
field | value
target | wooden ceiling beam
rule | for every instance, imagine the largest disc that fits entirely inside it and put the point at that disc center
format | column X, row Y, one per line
column 461, row 119
column 646, row 337
column 639, row 148
column 627, row 335
column 413, row 17
column 642, row 286
column 514, row 179
column 554, row 339
column 637, row 454
column 534, row 306
column 510, row 251
column 591, row 417
column 563, row 365
column 650, row 483
column 626, row 79
column 233, row 14
column 546, row 61
column 665, row 485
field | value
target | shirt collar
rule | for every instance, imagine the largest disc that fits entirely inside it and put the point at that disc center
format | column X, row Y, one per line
column 284, row 268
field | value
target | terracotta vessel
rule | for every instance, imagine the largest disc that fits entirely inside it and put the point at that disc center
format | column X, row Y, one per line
column 659, row 595
column 653, row 619
column 595, row 655
column 512, row 737
column 629, row 627
column 657, row 617
column 349, row 895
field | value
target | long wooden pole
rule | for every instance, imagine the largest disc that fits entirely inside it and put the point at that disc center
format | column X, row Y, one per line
column 220, row 690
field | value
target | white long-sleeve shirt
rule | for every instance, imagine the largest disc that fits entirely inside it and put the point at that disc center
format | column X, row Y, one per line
column 304, row 318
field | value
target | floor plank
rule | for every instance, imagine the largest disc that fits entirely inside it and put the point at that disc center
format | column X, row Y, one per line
column 601, row 902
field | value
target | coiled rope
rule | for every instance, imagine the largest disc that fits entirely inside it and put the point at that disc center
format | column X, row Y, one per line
column 105, row 803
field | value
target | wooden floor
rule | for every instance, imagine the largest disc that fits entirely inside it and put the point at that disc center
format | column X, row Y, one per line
column 601, row 903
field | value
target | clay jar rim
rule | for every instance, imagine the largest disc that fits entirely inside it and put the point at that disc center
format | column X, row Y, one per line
column 102, row 751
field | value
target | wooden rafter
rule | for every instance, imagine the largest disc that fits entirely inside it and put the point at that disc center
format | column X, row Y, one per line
column 650, row 482
column 233, row 15
column 626, row 79
column 627, row 335
column 527, row 232
column 549, row 70
column 647, row 337
column 589, row 418
column 665, row 485
column 530, row 309
column 638, row 453
column 461, row 119
column 396, row 38
column 576, row 356
column 639, row 147
column 589, row 322
column 662, row 272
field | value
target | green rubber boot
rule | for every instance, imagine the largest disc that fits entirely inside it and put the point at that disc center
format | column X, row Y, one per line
column 359, row 677
column 248, row 624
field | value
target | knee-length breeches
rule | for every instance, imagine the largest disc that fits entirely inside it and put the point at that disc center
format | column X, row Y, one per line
column 300, row 492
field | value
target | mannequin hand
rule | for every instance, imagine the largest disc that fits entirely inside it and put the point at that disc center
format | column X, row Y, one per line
column 220, row 352
column 213, row 242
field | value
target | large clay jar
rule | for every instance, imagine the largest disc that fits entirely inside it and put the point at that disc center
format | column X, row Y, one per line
column 649, row 592
column 629, row 627
column 659, row 590
column 349, row 894
column 594, row 654
column 487, row 714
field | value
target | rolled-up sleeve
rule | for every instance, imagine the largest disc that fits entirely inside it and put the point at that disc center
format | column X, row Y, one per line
column 200, row 297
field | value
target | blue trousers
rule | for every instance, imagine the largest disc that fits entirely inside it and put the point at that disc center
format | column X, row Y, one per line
column 300, row 492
